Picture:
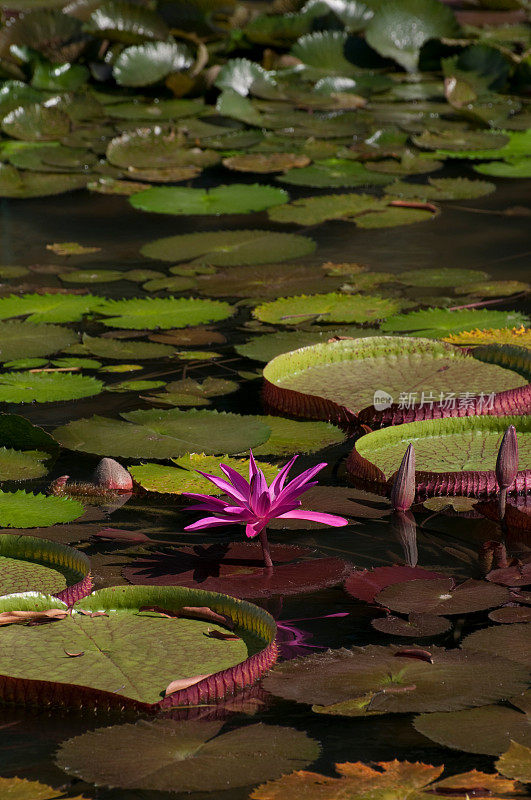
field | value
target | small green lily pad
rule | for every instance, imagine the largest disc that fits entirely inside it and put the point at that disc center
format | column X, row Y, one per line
column 233, row 199
column 326, row 308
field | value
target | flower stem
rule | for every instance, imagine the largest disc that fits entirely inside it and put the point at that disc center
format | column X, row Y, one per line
column 265, row 548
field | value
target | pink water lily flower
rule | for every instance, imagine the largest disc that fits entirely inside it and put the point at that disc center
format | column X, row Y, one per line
column 253, row 503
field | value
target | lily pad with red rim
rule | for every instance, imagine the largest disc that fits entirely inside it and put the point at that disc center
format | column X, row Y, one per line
column 340, row 380
column 147, row 639
column 395, row 679
column 238, row 568
column 38, row 565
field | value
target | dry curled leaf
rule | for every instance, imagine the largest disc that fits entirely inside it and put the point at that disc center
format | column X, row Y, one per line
column 183, row 683
column 220, row 635
column 33, row 617
column 414, row 652
column 74, row 655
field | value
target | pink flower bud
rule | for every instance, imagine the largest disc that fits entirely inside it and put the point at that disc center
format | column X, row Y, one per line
column 403, row 491
column 109, row 474
column 507, row 461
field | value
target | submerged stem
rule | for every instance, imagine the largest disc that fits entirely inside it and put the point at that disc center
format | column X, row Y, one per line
column 265, row 548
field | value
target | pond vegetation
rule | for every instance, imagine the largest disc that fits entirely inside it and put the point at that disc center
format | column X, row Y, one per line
column 241, row 240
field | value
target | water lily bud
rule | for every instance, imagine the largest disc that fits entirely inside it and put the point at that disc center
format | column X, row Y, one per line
column 109, row 474
column 403, row 491
column 507, row 461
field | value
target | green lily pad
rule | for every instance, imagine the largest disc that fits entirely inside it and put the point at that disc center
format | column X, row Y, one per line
column 167, row 312
column 135, row 386
column 144, row 64
column 206, row 761
column 164, row 434
column 335, row 172
column 121, row 349
column 458, row 142
column 266, row 280
column 77, row 363
column 121, row 663
column 193, row 390
column 25, row 340
column 152, row 149
column 361, row 680
column 36, row 123
column 157, row 111
column 324, row 51
column 122, row 22
column 391, row 217
column 16, row 93
column 508, row 145
column 16, row 465
column 489, row 729
column 234, row 199
column 443, row 189
column 233, row 105
column 230, row 248
column 246, row 77
column 18, row 433
column 59, row 78
column 183, row 478
column 409, row 164
column 516, row 763
column 436, row 322
column 289, row 436
column 325, row 308
column 352, row 373
column 266, row 162
column 46, row 387
column 519, row 168
column 493, row 288
column 441, row 277
column 175, row 283
column 399, row 31
column 265, row 348
column 114, row 186
column 22, row 789
column 91, row 276
column 314, row 210
column 24, row 184
column 25, row 510
column 11, row 272
column 41, row 308
column 43, row 566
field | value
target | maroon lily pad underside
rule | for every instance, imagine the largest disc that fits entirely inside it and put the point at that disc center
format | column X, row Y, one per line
column 237, row 569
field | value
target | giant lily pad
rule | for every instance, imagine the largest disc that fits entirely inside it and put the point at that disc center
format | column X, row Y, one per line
column 127, row 657
column 385, row 377
column 229, row 248
column 164, row 434
column 454, row 456
column 185, row 756
column 400, row 30
column 48, row 307
column 144, row 64
column 46, row 387
column 435, row 322
column 25, row 510
column 24, row 340
column 238, row 568
column 233, row 199
column 185, row 478
column 43, row 566
column 330, row 307
column 489, row 729
column 158, row 312
column 393, row 679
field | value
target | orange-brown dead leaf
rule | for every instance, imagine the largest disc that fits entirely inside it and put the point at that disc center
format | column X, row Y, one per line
column 33, row 617
column 184, row 683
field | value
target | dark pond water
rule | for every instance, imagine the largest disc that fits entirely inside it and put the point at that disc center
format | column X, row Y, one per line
column 472, row 234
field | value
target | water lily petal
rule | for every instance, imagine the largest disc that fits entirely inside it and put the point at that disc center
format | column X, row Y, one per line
column 237, row 480
column 209, row 522
column 225, row 487
column 315, row 516
column 278, row 483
